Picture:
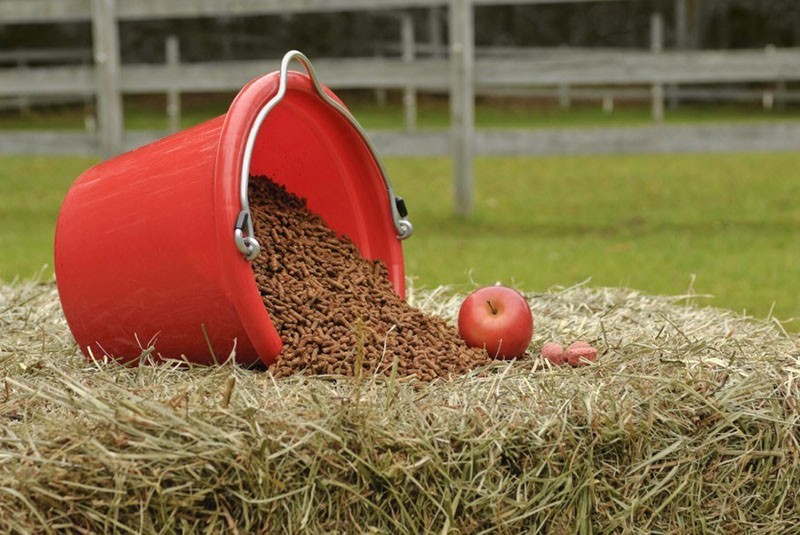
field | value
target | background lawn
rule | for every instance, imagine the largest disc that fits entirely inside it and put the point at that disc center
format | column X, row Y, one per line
column 31, row 191
column 649, row 222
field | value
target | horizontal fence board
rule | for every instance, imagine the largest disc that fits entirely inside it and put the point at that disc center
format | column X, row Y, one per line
column 427, row 74
column 419, row 143
column 754, row 137
column 760, row 137
column 337, row 73
column 586, row 68
column 423, row 74
column 192, row 77
column 50, row 142
column 550, row 68
column 642, row 94
column 62, row 80
column 36, row 11
column 639, row 67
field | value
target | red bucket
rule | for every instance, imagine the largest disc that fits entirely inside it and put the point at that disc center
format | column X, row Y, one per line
column 153, row 246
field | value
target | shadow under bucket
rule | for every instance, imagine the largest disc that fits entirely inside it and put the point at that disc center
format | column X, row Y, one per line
column 153, row 246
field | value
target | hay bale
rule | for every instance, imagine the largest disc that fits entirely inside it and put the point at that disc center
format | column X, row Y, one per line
column 688, row 422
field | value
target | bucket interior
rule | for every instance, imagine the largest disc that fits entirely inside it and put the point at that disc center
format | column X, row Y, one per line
column 311, row 149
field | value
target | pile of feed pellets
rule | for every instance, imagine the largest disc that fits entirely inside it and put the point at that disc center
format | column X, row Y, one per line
column 336, row 312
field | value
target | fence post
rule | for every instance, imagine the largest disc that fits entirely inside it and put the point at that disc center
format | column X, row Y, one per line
column 462, row 100
column 409, row 53
column 173, row 57
column 105, row 33
column 656, row 46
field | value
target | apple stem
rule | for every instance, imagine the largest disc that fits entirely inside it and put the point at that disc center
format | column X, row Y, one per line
column 491, row 306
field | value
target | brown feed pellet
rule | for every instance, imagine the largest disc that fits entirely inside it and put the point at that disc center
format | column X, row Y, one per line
column 332, row 308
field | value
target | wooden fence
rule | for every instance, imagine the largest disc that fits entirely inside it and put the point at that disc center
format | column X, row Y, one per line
column 460, row 73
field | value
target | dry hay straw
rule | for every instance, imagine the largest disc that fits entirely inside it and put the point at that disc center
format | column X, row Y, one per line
column 687, row 423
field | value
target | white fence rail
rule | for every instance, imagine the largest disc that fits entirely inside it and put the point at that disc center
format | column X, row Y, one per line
column 688, row 138
column 540, row 68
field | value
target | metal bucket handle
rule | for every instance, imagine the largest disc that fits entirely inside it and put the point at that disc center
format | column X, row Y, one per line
column 244, row 234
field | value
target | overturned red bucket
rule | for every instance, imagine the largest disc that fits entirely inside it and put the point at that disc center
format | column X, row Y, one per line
column 153, row 247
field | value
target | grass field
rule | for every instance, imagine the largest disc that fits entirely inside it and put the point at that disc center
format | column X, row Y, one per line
column 647, row 222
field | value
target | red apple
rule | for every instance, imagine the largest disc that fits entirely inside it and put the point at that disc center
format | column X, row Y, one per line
column 498, row 319
column 578, row 353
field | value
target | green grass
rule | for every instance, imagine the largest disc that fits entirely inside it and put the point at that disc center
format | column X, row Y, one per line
column 31, row 191
column 647, row 222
